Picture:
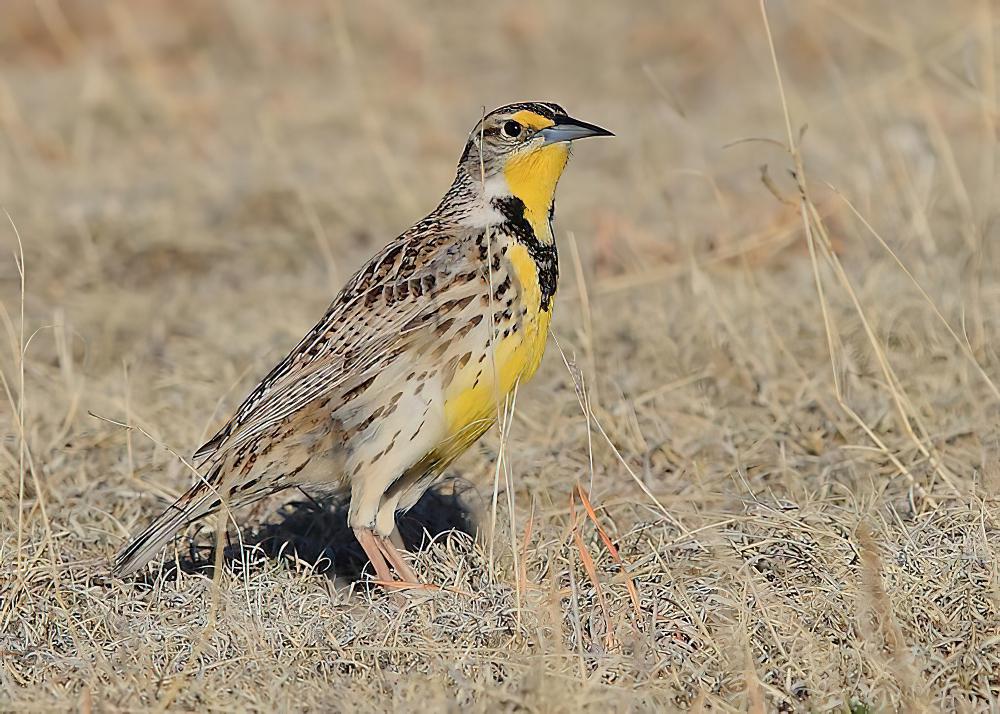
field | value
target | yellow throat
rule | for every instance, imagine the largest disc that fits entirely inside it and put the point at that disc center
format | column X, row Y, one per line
column 533, row 178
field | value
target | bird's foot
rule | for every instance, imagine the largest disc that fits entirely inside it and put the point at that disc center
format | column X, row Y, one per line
column 383, row 554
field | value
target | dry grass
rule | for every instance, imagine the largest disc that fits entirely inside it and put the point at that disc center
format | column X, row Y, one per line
column 792, row 490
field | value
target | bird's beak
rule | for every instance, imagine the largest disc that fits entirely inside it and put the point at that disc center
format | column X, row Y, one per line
column 570, row 129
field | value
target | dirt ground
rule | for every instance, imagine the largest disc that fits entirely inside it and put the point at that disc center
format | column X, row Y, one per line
column 776, row 388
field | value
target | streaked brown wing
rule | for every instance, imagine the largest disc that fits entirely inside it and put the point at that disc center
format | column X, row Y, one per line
column 337, row 353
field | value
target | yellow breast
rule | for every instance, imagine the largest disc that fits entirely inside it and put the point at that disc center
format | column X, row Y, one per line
column 472, row 397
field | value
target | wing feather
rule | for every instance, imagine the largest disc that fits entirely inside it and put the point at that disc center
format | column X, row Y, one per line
column 329, row 359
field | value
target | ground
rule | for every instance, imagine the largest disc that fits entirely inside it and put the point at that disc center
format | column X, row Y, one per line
column 774, row 387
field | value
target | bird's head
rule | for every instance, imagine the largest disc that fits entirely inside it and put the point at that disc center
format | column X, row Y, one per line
column 521, row 150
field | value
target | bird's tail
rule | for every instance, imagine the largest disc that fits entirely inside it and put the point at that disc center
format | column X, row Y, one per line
column 198, row 501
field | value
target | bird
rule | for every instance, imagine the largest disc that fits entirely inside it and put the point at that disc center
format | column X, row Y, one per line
column 407, row 367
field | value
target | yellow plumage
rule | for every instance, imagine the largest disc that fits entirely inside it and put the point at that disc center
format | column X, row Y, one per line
column 533, row 178
column 471, row 398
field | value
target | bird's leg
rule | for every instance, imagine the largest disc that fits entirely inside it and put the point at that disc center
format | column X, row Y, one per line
column 396, row 538
column 390, row 542
column 402, row 568
column 371, row 544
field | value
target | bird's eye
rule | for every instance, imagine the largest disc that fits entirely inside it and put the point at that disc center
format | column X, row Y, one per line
column 511, row 129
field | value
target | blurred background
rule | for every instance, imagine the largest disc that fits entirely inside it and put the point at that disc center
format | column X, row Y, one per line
column 192, row 182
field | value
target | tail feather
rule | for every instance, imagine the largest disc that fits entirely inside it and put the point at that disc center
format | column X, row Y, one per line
column 198, row 501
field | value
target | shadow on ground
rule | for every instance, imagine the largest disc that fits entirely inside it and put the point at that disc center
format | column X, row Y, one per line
column 316, row 533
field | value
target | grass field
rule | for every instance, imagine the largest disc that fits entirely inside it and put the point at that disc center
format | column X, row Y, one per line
column 777, row 390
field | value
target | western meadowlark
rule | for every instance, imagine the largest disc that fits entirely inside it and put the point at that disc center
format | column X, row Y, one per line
column 406, row 368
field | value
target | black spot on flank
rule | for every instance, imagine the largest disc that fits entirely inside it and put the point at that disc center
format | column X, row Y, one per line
column 501, row 289
column 359, row 389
